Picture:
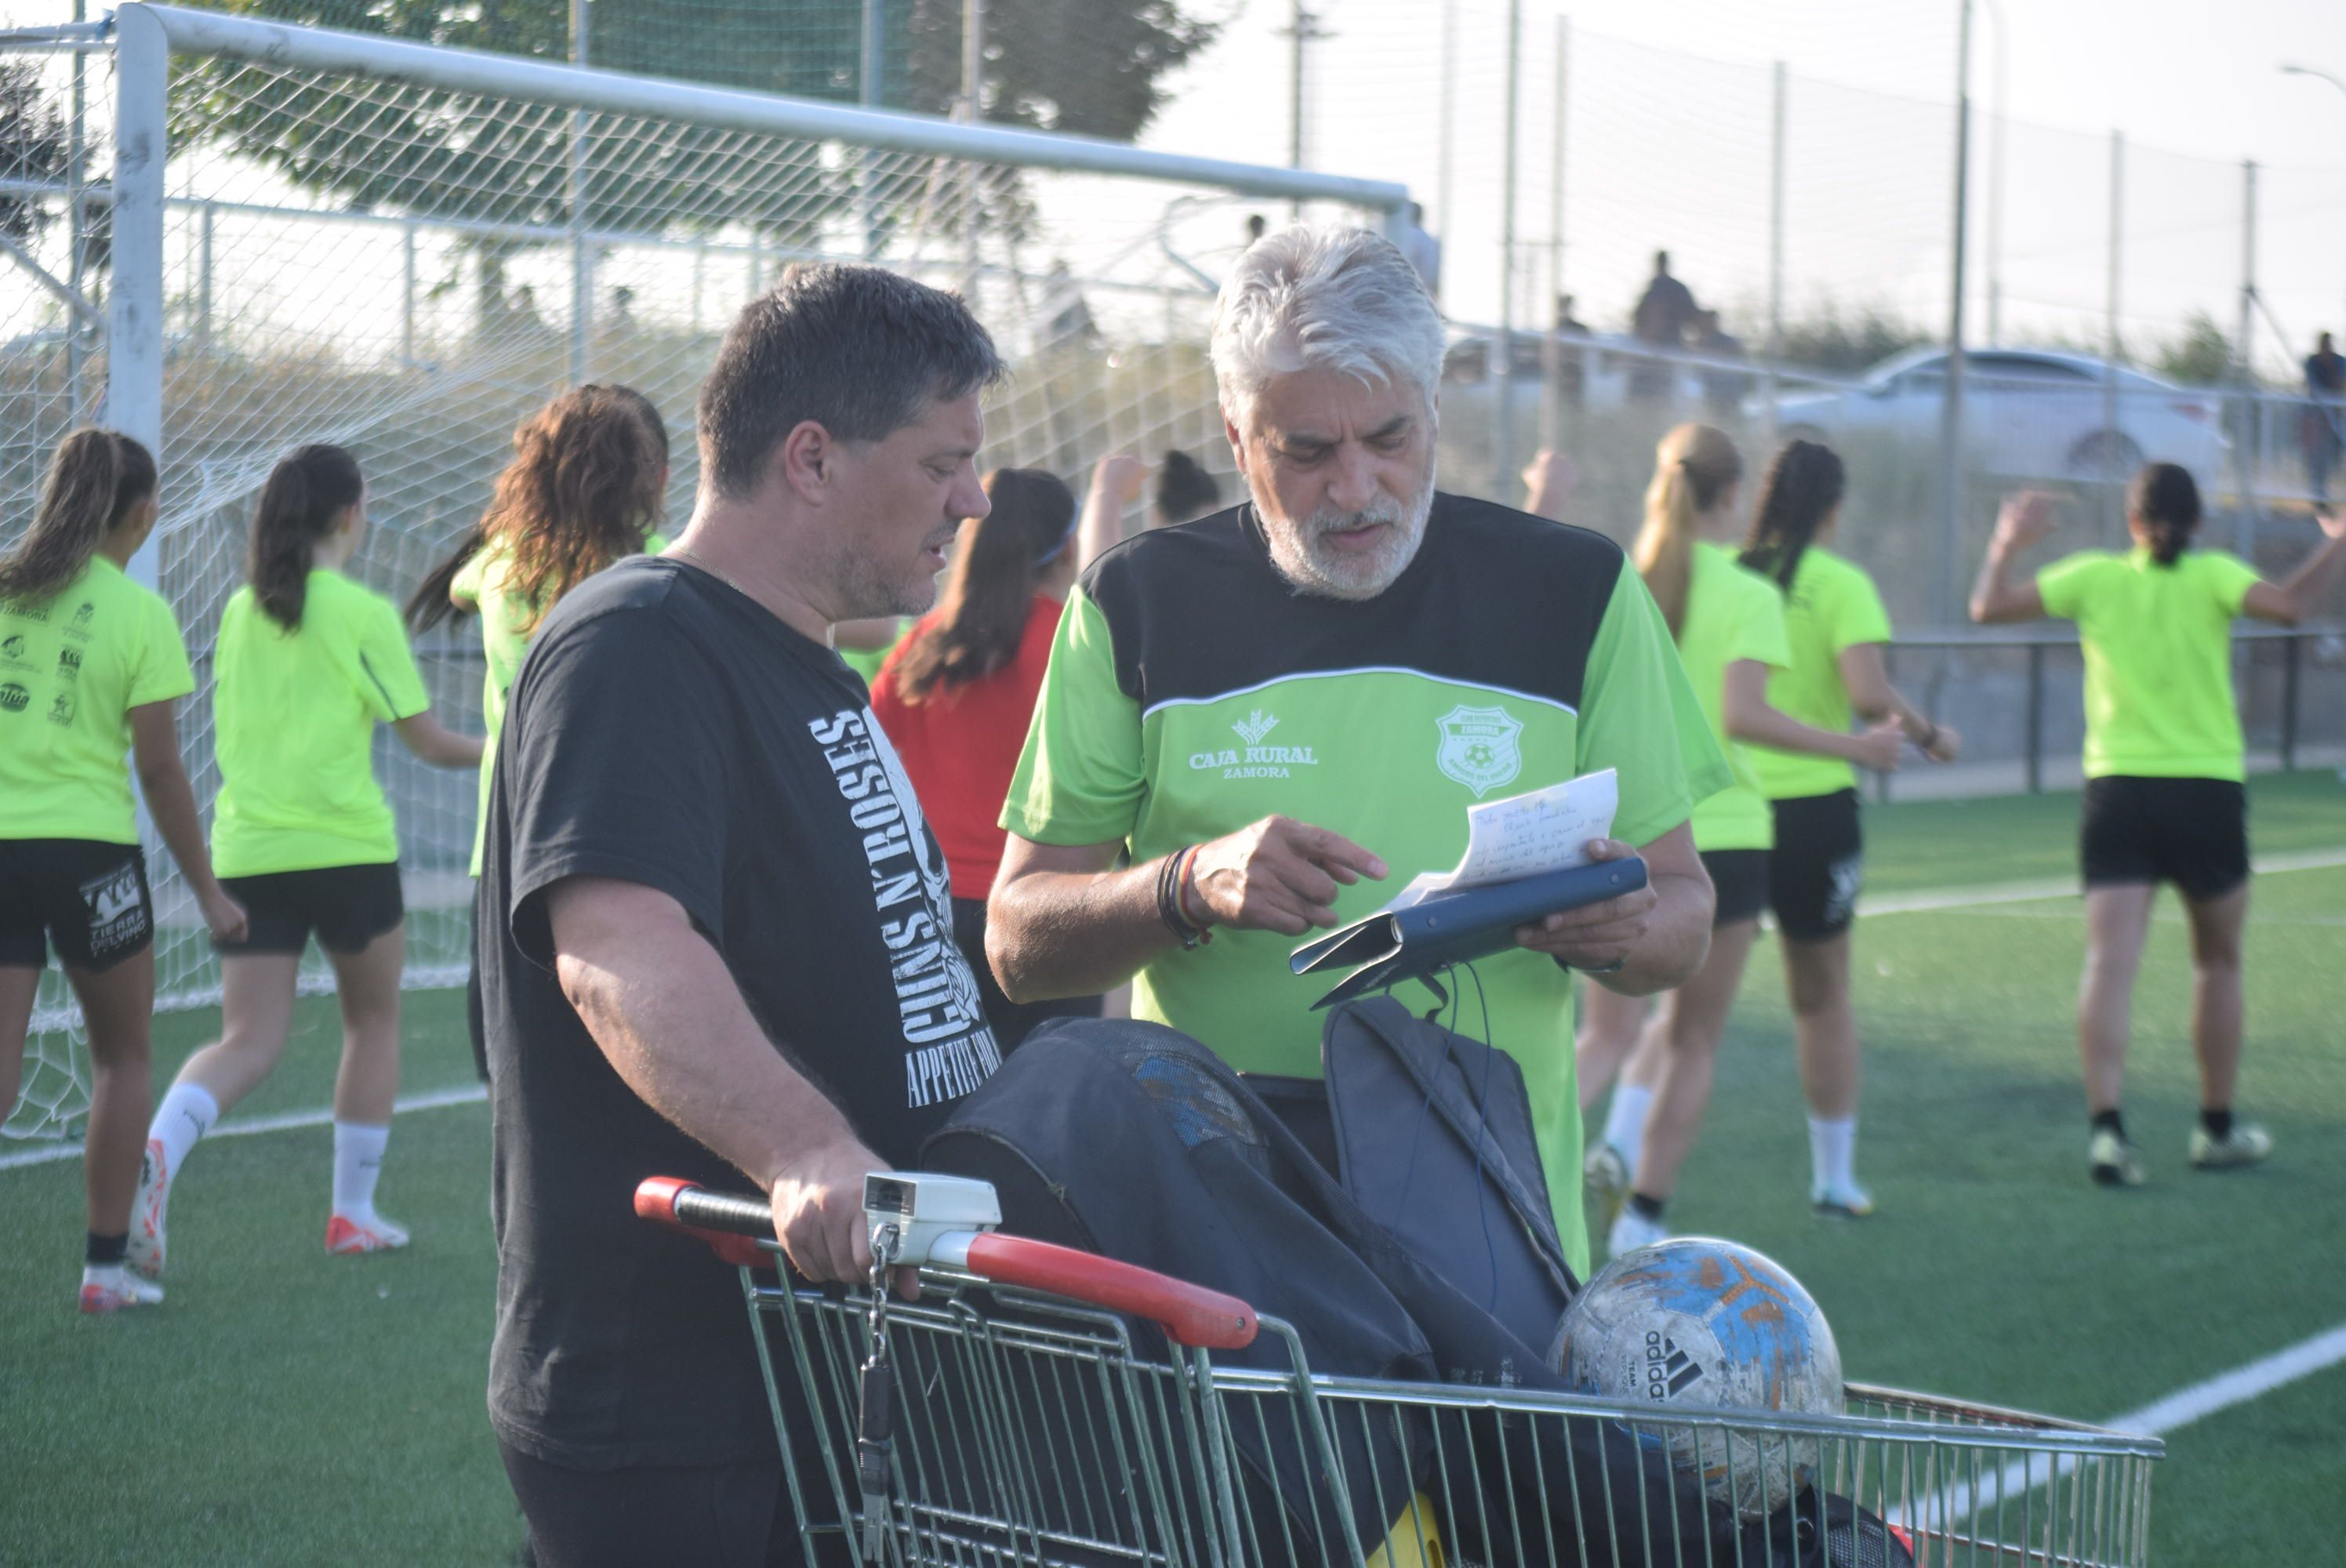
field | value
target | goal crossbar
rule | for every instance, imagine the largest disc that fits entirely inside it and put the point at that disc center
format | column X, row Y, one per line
column 281, row 43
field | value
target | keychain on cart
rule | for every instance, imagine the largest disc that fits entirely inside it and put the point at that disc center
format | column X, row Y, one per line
column 876, row 1398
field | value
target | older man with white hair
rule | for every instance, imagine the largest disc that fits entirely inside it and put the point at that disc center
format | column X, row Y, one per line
column 1272, row 708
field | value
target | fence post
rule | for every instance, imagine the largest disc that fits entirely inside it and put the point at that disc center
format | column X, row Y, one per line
column 204, row 280
column 2110, row 441
column 75, row 217
column 582, row 255
column 1775, row 249
column 1502, row 446
column 1446, row 138
column 1552, row 349
column 2247, row 437
column 407, row 293
column 2292, row 649
column 1951, row 413
column 2035, row 719
column 134, row 327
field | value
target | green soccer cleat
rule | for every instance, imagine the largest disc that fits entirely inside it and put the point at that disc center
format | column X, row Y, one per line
column 2117, row 1162
column 1843, row 1200
column 2247, row 1144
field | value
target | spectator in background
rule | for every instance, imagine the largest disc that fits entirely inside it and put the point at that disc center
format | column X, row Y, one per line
column 1571, row 363
column 1549, row 480
column 1659, row 320
column 1722, row 390
column 1185, row 492
column 2164, row 797
column 1256, row 226
column 1424, row 251
column 2323, row 427
column 956, row 695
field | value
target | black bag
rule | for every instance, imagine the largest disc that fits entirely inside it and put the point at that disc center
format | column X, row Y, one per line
column 1131, row 1140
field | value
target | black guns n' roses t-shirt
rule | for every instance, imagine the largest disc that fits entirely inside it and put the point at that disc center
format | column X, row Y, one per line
column 668, row 731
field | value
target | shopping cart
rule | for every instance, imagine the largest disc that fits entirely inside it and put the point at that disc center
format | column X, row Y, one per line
column 1024, row 1410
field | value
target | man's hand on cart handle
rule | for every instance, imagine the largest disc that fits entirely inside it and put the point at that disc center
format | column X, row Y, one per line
column 1598, row 938
column 1278, row 874
column 819, row 1217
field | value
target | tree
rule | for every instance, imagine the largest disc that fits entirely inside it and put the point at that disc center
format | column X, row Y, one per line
column 2200, row 355
column 32, row 146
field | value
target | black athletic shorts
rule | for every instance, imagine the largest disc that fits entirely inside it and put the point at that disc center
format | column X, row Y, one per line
column 1740, row 877
column 87, row 897
column 2193, row 832
column 347, row 906
column 1817, row 866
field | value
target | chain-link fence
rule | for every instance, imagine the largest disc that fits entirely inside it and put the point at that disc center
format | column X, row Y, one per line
column 406, row 251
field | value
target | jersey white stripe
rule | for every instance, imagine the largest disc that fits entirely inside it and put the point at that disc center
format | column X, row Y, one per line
column 1360, row 669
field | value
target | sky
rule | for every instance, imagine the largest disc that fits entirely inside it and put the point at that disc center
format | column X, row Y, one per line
column 1669, row 127
column 1669, row 142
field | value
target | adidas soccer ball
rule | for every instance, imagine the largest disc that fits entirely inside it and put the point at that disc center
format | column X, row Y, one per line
column 1699, row 1324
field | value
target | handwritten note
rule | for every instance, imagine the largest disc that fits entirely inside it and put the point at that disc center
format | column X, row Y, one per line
column 1525, row 835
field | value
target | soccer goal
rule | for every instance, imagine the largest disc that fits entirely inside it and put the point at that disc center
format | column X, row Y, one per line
column 229, row 237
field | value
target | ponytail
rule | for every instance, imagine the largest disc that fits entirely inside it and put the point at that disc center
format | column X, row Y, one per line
column 430, row 603
column 1804, row 482
column 982, row 614
column 1693, row 466
column 2166, row 500
column 305, row 493
column 95, row 478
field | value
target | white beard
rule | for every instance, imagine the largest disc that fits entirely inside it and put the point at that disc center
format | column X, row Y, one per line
column 1303, row 558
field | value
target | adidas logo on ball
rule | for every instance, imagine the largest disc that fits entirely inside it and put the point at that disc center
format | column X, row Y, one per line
column 1669, row 1371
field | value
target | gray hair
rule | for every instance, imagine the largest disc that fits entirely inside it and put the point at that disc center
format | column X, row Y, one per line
column 1344, row 300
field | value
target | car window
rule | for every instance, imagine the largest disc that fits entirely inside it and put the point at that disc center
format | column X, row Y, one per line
column 2027, row 368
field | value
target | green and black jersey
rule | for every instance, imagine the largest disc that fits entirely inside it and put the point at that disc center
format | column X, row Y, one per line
column 1192, row 690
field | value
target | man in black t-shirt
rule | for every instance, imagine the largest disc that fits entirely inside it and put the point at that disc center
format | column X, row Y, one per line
column 715, row 934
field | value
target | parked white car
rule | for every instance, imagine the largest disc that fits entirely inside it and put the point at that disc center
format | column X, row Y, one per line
column 2032, row 414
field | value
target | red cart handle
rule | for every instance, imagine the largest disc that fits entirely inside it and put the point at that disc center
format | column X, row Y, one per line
column 1190, row 1314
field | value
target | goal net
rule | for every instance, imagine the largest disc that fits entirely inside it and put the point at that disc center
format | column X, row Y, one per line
column 406, row 251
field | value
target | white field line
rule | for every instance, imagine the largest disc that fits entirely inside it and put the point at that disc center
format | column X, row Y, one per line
column 1955, row 1506
column 2066, row 888
column 465, row 1094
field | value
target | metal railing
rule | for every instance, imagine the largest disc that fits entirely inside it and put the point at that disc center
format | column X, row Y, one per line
column 2272, row 667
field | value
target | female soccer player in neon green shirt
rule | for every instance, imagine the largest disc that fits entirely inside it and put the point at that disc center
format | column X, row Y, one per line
column 584, row 488
column 2165, row 799
column 91, row 665
column 1836, row 625
column 308, row 663
column 1730, row 626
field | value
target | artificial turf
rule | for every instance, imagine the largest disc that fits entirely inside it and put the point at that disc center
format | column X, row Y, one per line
column 284, row 1407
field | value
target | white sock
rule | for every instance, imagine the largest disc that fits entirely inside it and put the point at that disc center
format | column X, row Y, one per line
column 1833, row 1151
column 186, row 1115
column 1625, row 1124
column 358, row 1161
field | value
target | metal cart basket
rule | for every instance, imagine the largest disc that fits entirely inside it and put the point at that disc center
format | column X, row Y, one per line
column 1036, row 1421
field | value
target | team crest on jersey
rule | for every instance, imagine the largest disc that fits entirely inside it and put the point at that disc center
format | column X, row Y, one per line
column 1479, row 747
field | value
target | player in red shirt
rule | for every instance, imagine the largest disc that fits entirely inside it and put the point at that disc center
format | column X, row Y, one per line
column 956, row 696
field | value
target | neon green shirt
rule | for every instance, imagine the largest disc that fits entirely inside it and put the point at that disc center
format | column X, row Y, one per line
column 508, row 621
column 1191, row 691
column 867, row 662
column 2158, row 646
column 1730, row 614
column 295, row 714
column 72, row 667
column 1832, row 606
